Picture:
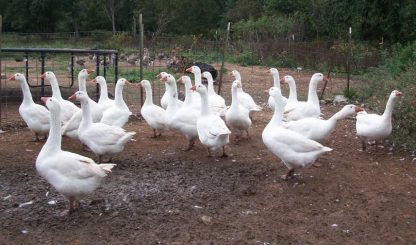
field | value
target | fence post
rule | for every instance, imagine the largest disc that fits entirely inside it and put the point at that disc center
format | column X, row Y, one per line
column 348, row 62
column 141, row 56
column 72, row 68
column 116, row 68
column 223, row 57
column 42, row 70
column 97, row 72
column 1, row 92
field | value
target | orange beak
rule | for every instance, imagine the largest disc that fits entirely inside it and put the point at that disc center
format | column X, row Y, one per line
column 12, row 78
column 189, row 69
column 164, row 79
column 326, row 79
column 179, row 80
column 43, row 76
column 72, row 97
column 128, row 83
column 93, row 81
column 266, row 91
column 358, row 109
column 193, row 88
column 89, row 71
column 158, row 75
column 398, row 93
column 44, row 99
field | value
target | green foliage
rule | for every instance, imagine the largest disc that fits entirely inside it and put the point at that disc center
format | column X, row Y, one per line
column 244, row 59
column 397, row 73
column 262, row 28
column 350, row 93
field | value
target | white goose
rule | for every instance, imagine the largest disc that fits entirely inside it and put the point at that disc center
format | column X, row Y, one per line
column 119, row 113
column 295, row 150
column 244, row 98
column 216, row 102
column 154, row 115
column 35, row 116
column 319, row 129
column 276, row 84
column 376, row 127
column 196, row 100
column 186, row 80
column 70, row 174
column 311, row 108
column 101, row 138
column 68, row 108
column 212, row 131
column 182, row 120
column 237, row 116
column 292, row 101
column 70, row 128
column 164, row 101
column 104, row 102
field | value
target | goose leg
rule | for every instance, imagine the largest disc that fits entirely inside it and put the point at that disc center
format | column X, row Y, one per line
column 364, row 145
column 71, row 207
column 209, row 152
column 191, row 143
column 248, row 135
column 223, row 152
column 36, row 137
column 76, row 204
column 288, row 175
column 154, row 133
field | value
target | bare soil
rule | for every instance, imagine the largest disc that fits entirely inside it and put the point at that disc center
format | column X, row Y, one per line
column 158, row 193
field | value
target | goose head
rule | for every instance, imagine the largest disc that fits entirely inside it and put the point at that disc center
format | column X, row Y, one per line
column 83, row 74
column 199, row 88
column 194, row 69
column 349, row 110
column 276, row 94
column 18, row 77
column 273, row 71
column 51, row 103
column 287, row 79
column 162, row 74
column 236, row 75
column 168, row 78
column 79, row 96
column 48, row 76
column 236, row 84
column 318, row 77
column 122, row 81
column 395, row 94
column 144, row 84
column 207, row 75
column 185, row 80
column 100, row 80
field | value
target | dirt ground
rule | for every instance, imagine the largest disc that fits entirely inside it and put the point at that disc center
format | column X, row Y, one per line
column 158, row 193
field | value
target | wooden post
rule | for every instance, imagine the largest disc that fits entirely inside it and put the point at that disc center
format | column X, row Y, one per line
column 141, row 56
column 1, row 92
column 223, row 56
column 349, row 62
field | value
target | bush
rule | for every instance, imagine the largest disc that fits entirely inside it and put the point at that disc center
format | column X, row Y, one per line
column 397, row 72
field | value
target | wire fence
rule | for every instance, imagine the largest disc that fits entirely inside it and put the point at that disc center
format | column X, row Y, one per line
column 171, row 54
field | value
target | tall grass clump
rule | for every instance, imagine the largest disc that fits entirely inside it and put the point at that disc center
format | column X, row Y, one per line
column 397, row 72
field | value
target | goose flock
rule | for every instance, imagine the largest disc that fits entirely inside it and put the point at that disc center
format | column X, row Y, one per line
column 295, row 133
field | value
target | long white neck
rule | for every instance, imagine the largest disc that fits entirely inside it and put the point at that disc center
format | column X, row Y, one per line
column 56, row 92
column 188, row 93
column 27, row 96
column 277, row 115
column 173, row 97
column 312, row 95
column 103, row 92
column 204, row 104
column 293, row 95
column 238, row 77
column 82, row 84
column 149, row 96
column 276, row 80
column 54, row 141
column 211, row 85
column 198, row 78
column 86, row 120
column 389, row 108
column 234, row 99
column 118, row 97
